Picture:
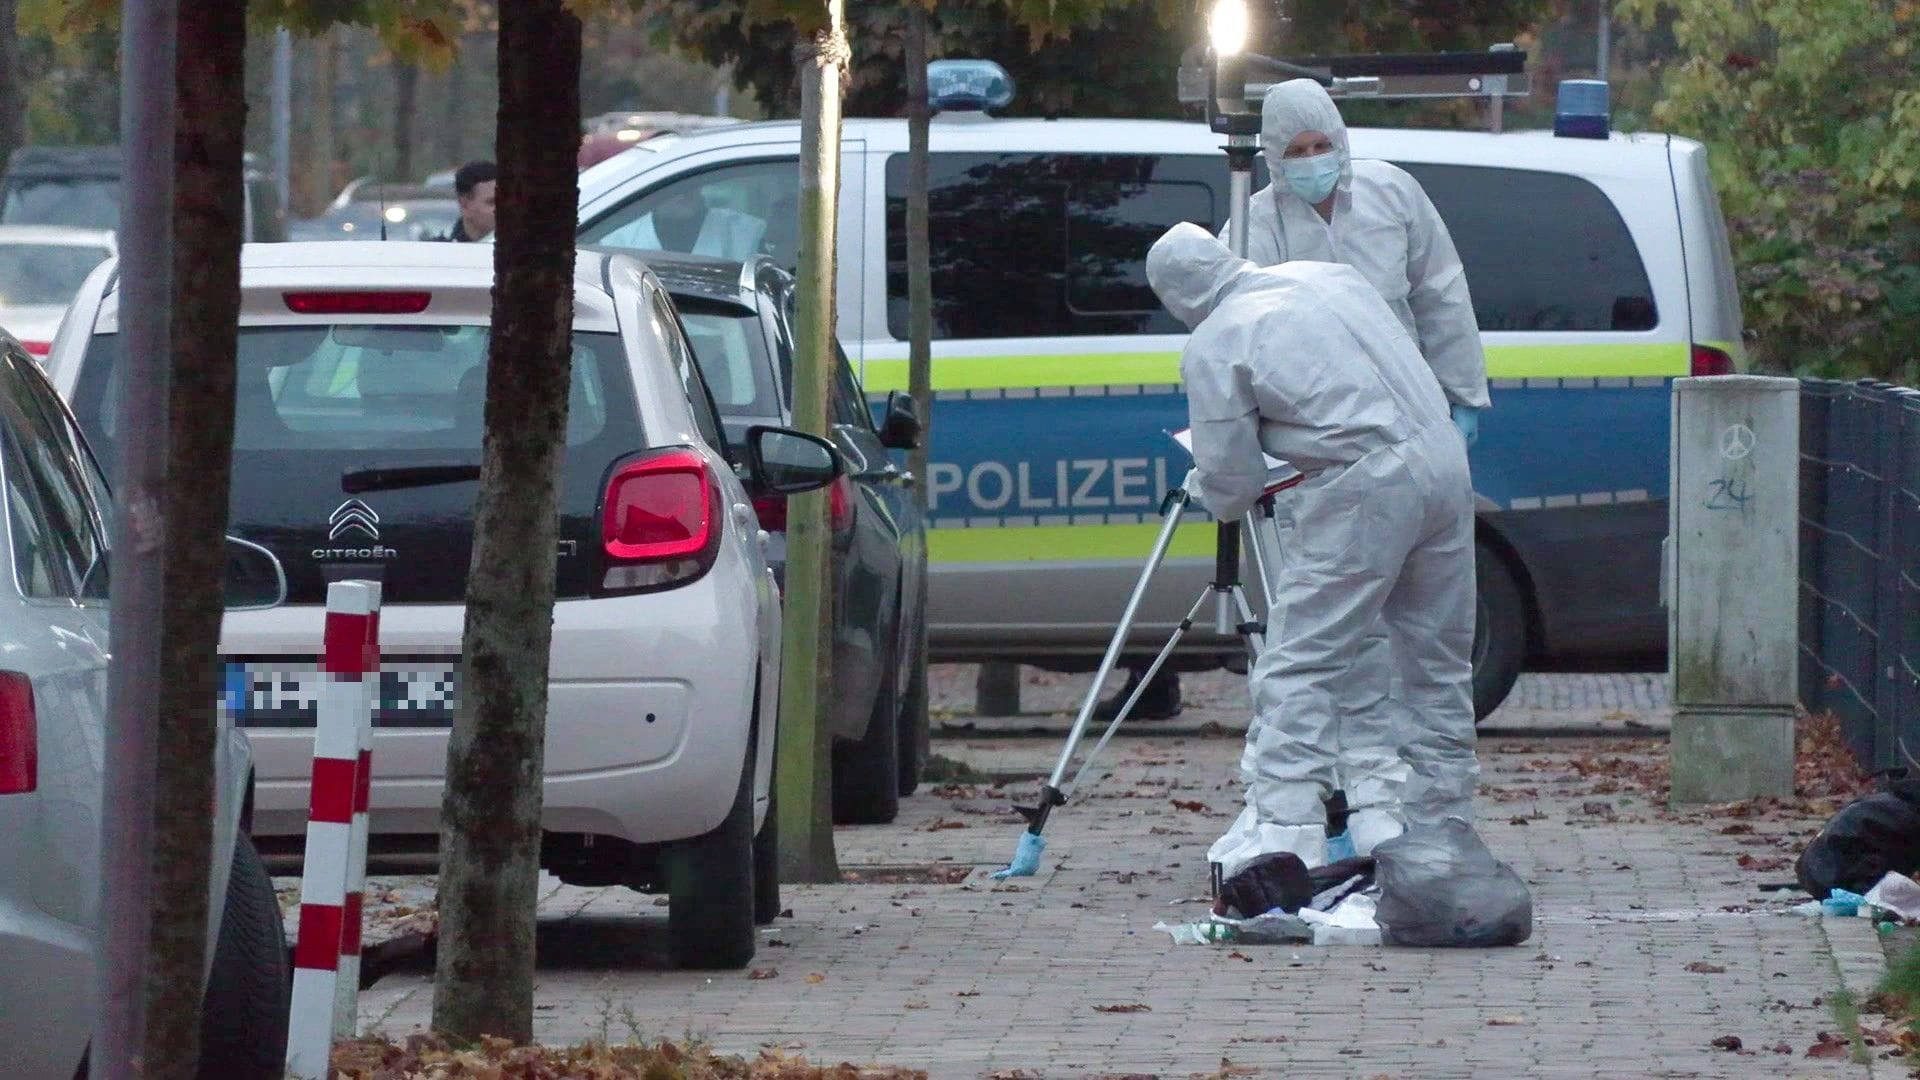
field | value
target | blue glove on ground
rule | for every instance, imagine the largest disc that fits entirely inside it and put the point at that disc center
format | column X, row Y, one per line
column 1467, row 419
column 1340, row 848
column 1026, row 857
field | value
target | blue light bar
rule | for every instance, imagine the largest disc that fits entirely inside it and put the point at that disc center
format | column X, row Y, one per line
column 1581, row 110
column 968, row 86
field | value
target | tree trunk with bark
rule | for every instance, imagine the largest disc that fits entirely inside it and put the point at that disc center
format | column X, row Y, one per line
column 13, row 95
column 406, row 96
column 208, row 218
column 490, row 814
column 919, row 252
column 804, row 763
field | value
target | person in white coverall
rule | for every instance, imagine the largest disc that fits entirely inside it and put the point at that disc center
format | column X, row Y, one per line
column 1307, row 363
column 1371, row 215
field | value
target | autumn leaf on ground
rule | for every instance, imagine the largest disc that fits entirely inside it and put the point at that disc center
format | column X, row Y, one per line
column 1763, row 866
column 1134, row 1008
column 942, row 824
column 1701, row 967
column 758, row 974
column 1191, row 806
column 817, row 978
column 1505, row 1021
column 1727, row 1042
column 1829, row 1046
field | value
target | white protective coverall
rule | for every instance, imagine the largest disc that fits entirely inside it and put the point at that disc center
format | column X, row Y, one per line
column 1305, row 362
column 1383, row 226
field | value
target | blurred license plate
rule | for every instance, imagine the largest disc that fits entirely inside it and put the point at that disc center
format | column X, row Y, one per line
column 284, row 691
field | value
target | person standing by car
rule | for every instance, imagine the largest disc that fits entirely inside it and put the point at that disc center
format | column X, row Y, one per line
column 473, row 185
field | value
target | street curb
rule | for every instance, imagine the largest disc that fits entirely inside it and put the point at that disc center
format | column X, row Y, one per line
column 1859, row 960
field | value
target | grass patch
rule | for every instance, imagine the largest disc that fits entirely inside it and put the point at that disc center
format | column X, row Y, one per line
column 1898, row 998
column 1846, row 1017
column 941, row 769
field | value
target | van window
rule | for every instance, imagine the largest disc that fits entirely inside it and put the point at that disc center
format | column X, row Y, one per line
column 731, row 212
column 1574, row 267
column 1047, row 245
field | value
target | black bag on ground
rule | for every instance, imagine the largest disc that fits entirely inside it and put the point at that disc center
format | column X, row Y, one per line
column 1279, row 880
column 1441, row 887
column 1869, row 837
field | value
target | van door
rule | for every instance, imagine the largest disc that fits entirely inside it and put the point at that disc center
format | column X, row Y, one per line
column 736, row 202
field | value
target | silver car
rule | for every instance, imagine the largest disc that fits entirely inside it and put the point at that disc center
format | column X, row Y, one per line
column 53, row 683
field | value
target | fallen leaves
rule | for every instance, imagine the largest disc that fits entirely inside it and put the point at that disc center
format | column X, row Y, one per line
column 762, row 974
column 1829, row 1046
column 1191, row 806
column 1136, row 1007
column 1505, row 1021
column 1763, row 866
column 817, row 978
column 1701, row 967
column 421, row 1057
column 1728, row 1042
column 943, row 824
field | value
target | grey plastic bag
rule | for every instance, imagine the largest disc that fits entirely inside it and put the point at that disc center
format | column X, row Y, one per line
column 1440, row 886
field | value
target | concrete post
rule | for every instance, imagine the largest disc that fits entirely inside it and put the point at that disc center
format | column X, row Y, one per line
column 1733, row 588
column 997, row 690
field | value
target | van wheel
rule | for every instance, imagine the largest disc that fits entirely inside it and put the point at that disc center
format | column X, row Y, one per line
column 766, row 867
column 243, row 1022
column 866, row 774
column 710, row 893
column 1499, row 632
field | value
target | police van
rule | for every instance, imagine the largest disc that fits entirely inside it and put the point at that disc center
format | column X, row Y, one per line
column 1599, row 269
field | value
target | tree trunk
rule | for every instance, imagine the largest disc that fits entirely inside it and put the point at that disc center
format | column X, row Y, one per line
column 406, row 94
column 804, row 743
column 321, row 143
column 490, row 815
column 149, row 30
column 919, row 258
column 208, row 216
column 13, row 94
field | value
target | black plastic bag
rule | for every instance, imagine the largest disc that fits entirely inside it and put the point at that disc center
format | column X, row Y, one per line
column 1868, row 838
column 1441, row 887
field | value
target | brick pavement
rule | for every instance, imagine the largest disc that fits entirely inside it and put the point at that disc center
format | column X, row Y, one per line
column 974, row 978
column 1540, row 704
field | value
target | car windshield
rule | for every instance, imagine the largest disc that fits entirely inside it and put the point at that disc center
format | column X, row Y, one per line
column 730, row 346
column 89, row 202
column 45, row 273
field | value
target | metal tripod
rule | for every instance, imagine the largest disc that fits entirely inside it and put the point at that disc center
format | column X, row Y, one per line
column 1232, row 615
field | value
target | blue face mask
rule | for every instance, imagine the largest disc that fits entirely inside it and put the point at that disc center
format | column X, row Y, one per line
column 1313, row 178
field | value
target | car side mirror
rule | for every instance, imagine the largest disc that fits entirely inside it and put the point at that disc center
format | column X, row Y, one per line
column 787, row 462
column 254, row 579
column 901, row 428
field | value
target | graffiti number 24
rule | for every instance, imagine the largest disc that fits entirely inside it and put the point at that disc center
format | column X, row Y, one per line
column 1728, row 495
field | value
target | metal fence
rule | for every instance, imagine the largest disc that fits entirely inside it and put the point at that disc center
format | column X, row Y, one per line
column 1860, row 564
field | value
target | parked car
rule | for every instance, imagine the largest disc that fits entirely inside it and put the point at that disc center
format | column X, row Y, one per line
column 739, row 317
column 79, row 187
column 362, row 378
column 53, row 635
column 41, row 267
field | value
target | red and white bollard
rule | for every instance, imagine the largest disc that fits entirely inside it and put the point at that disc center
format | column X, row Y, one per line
column 326, row 975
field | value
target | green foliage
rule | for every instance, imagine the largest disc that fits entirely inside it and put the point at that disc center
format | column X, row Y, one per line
column 1811, row 110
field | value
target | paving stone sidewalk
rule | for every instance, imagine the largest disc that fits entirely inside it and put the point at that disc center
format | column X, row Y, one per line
column 1542, row 704
column 1652, row 940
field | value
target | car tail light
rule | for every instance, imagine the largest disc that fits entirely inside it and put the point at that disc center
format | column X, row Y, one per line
column 19, row 741
column 37, row 348
column 358, row 303
column 1708, row 360
column 661, row 526
column 772, row 509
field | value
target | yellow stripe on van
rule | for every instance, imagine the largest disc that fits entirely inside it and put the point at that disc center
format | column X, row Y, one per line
column 1066, row 543
column 1595, row 361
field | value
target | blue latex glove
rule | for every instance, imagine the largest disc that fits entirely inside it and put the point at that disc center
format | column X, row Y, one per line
column 1340, row 848
column 1026, row 857
column 1467, row 419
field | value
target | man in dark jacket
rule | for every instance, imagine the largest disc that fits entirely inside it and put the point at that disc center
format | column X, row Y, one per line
column 473, row 184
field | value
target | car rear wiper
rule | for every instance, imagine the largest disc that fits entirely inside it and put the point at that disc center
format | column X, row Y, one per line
column 361, row 481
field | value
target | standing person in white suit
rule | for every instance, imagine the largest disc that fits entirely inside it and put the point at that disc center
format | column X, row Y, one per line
column 1371, row 215
column 1307, row 363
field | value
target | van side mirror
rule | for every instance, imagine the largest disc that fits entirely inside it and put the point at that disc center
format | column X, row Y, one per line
column 901, row 428
column 254, row 578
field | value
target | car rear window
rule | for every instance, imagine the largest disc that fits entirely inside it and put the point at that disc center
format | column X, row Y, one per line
column 314, row 402
column 730, row 345
column 83, row 202
column 45, row 273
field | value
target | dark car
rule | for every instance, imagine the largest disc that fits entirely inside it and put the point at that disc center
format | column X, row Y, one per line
column 79, row 186
column 739, row 317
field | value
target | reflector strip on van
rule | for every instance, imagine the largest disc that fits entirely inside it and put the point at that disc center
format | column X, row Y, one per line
column 1597, row 361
